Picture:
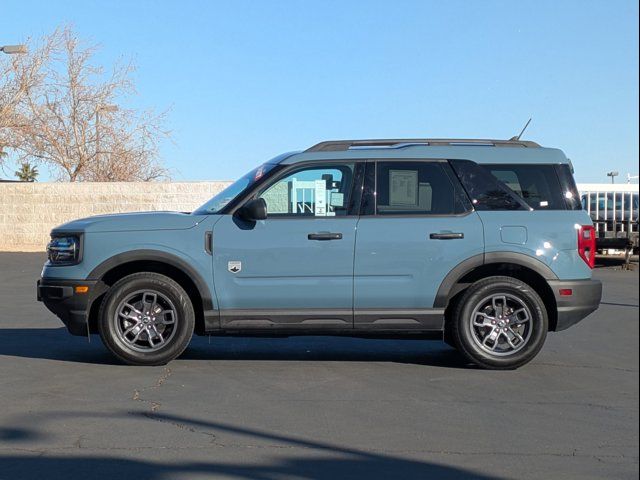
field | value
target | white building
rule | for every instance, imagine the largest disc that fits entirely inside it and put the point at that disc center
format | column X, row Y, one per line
column 614, row 210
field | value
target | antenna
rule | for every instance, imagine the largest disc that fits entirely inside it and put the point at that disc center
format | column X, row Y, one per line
column 516, row 138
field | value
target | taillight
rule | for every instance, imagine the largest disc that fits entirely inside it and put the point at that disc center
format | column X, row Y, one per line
column 587, row 244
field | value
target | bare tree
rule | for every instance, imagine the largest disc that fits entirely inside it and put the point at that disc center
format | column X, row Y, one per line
column 69, row 116
column 18, row 76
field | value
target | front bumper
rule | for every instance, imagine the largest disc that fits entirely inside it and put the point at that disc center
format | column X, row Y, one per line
column 584, row 299
column 62, row 299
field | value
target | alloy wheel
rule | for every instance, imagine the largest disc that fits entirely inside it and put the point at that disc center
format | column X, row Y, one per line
column 146, row 320
column 501, row 324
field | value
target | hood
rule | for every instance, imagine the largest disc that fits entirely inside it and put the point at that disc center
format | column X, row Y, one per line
column 131, row 222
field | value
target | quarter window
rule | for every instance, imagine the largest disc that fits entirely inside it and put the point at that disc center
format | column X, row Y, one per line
column 318, row 191
column 568, row 185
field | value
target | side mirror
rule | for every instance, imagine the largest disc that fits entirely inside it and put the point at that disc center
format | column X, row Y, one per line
column 253, row 210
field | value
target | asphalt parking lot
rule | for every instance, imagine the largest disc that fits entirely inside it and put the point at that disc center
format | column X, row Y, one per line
column 315, row 408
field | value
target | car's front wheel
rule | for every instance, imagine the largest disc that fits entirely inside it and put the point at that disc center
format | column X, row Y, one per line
column 499, row 323
column 146, row 319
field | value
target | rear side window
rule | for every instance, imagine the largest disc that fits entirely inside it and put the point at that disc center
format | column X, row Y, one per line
column 484, row 189
column 417, row 188
column 538, row 185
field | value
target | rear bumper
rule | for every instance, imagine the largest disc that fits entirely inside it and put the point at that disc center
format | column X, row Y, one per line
column 584, row 299
column 60, row 297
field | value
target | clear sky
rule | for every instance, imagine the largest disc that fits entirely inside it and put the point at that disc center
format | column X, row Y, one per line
column 247, row 80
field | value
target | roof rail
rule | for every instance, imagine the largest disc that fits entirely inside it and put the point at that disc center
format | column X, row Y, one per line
column 341, row 145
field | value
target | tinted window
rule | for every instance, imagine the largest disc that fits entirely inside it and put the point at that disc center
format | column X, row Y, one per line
column 315, row 191
column 416, row 188
column 485, row 190
column 569, row 188
column 538, row 185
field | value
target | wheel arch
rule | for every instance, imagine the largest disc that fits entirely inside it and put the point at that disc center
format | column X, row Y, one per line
column 121, row 265
column 527, row 269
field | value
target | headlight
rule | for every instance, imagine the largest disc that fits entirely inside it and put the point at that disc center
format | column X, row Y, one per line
column 64, row 250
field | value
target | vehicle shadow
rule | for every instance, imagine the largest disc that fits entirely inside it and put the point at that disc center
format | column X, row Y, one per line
column 296, row 457
column 57, row 344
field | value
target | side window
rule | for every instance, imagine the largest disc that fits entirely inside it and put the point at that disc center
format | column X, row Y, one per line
column 484, row 189
column 416, row 188
column 510, row 179
column 538, row 185
column 315, row 191
column 569, row 188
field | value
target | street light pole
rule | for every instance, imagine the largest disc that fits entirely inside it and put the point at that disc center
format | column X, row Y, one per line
column 613, row 176
column 14, row 49
column 11, row 50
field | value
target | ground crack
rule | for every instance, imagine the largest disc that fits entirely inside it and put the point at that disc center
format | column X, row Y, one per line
column 137, row 393
column 152, row 416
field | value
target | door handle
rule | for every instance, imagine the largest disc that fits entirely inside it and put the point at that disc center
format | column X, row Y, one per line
column 208, row 242
column 446, row 236
column 325, row 236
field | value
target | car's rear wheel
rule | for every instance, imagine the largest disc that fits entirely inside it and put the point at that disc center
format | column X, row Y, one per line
column 146, row 319
column 499, row 323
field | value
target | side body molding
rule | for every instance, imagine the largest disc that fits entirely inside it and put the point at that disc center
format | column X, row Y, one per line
column 447, row 287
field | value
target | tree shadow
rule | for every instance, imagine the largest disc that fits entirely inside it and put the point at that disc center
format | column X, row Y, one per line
column 57, row 344
column 329, row 468
column 314, row 460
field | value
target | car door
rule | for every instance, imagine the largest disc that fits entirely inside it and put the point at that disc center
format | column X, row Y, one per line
column 294, row 269
column 417, row 225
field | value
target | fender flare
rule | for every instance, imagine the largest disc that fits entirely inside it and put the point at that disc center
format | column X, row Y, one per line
column 463, row 268
column 156, row 256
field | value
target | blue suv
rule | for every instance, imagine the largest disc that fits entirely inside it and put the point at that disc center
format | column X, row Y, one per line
column 481, row 243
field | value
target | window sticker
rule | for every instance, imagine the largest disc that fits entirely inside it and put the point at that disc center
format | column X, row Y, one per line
column 403, row 188
column 337, row 199
column 425, row 196
column 320, row 196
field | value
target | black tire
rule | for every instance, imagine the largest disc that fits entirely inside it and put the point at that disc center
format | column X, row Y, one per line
column 466, row 337
column 168, row 291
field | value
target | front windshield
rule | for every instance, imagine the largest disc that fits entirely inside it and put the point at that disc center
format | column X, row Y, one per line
column 220, row 200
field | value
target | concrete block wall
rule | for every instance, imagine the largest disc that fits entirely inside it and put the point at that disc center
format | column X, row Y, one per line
column 28, row 211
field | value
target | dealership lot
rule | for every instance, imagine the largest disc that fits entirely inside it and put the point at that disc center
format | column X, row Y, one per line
column 315, row 408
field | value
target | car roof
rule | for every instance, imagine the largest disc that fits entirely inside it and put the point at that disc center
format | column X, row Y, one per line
column 480, row 151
